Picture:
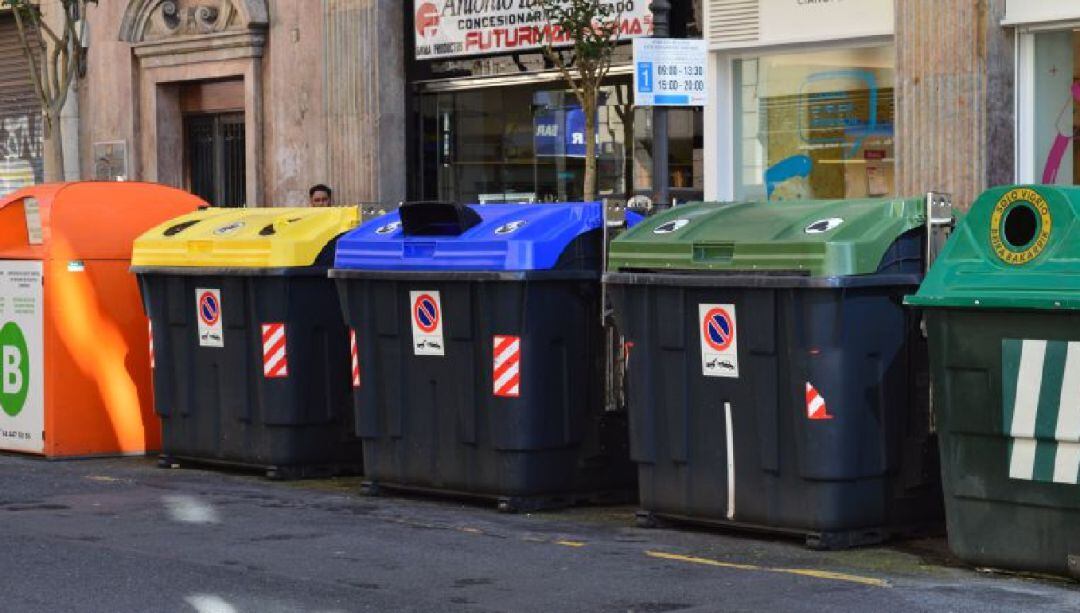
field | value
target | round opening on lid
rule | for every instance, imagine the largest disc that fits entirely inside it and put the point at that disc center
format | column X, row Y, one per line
column 180, row 227
column 1020, row 226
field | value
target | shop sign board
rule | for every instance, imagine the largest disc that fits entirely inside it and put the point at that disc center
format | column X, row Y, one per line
column 22, row 388
column 456, row 28
column 560, row 133
column 670, row 72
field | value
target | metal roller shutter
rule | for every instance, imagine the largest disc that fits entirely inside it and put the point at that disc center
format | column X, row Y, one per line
column 21, row 151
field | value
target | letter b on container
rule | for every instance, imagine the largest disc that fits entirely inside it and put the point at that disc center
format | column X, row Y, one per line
column 14, row 369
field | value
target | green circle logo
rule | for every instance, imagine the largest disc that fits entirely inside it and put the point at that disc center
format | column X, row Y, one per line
column 14, row 369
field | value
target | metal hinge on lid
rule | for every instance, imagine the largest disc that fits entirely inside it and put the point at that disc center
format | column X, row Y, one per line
column 940, row 222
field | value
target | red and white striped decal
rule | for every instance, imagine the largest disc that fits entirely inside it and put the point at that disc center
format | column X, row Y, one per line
column 815, row 404
column 275, row 361
column 150, row 331
column 355, row 359
column 506, row 368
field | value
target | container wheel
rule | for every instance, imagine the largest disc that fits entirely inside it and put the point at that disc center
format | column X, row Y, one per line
column 647, row 520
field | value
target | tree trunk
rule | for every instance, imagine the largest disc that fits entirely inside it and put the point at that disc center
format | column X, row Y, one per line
column 589, row 107
column 54, row 147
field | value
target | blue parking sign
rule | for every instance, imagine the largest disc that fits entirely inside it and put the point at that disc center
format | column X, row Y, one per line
column 645, row 80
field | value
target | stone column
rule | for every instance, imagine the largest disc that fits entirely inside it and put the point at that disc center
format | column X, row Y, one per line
column 365, row 99
column 955, row 82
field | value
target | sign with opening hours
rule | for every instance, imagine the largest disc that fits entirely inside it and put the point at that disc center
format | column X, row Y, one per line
column 670, row 72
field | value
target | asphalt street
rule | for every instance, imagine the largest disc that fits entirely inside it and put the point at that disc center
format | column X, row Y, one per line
column 123, row 535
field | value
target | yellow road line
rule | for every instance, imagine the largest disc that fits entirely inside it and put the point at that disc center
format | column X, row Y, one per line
column 703, row 561
column 803, row 572
column 570, row 543
column 827, row 574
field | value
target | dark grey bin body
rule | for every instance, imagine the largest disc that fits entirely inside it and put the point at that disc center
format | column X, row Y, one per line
column 215, row 404
column 866, row 474
column 433, row 423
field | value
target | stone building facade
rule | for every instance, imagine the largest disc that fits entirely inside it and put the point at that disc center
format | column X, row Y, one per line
column 251, row 100
column 287, row 93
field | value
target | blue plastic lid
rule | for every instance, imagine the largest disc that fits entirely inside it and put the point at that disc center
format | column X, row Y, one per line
column 498, row 237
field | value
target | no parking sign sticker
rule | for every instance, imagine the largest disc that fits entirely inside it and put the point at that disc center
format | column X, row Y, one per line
column 427, row 324
column 719, row 340
column 208, row 312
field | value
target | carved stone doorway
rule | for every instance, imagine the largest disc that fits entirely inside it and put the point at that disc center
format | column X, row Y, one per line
column 178, row 44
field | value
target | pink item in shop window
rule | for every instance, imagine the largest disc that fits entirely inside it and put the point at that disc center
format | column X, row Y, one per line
column 1061, row 143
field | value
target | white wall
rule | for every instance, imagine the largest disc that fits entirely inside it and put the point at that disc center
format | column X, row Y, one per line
column 1040, row 11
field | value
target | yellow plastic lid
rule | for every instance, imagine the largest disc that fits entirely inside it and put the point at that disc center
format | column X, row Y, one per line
column 243, row 238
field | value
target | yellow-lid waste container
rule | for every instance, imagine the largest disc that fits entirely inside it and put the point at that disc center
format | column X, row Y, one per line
column 252, row 354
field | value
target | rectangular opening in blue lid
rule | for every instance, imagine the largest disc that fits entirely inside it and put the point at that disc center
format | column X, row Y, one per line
column 437, row 218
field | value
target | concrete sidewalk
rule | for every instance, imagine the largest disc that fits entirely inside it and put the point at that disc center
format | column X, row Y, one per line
column 123, row 535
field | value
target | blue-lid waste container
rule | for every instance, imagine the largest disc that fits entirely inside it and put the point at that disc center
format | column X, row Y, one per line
column 478, row 353
column 251, row 353
column 775, row 379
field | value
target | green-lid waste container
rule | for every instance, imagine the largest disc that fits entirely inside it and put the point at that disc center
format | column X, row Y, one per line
column 776, row 380
column 1002, row 308
column 251, row 354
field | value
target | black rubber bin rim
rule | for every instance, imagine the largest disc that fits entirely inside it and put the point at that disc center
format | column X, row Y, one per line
column 764, row 280
column 231, row 271
column 466, row 275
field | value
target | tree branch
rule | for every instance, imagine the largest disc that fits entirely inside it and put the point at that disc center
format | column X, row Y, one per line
column 556, row 59
column 39, row 24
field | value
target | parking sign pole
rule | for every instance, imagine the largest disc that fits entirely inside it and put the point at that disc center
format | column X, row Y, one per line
column 661, row 10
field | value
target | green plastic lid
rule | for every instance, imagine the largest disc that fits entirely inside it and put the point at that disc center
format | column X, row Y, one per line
column 1016, row 248
column 822, row 238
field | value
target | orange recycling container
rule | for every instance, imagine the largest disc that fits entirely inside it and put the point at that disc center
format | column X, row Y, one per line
column 74, row 343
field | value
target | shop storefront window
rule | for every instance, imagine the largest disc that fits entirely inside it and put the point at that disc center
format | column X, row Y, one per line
column 815, row 125
column 522, row 144
column 526, row 144
column 1055, row 111
column 686, row 172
